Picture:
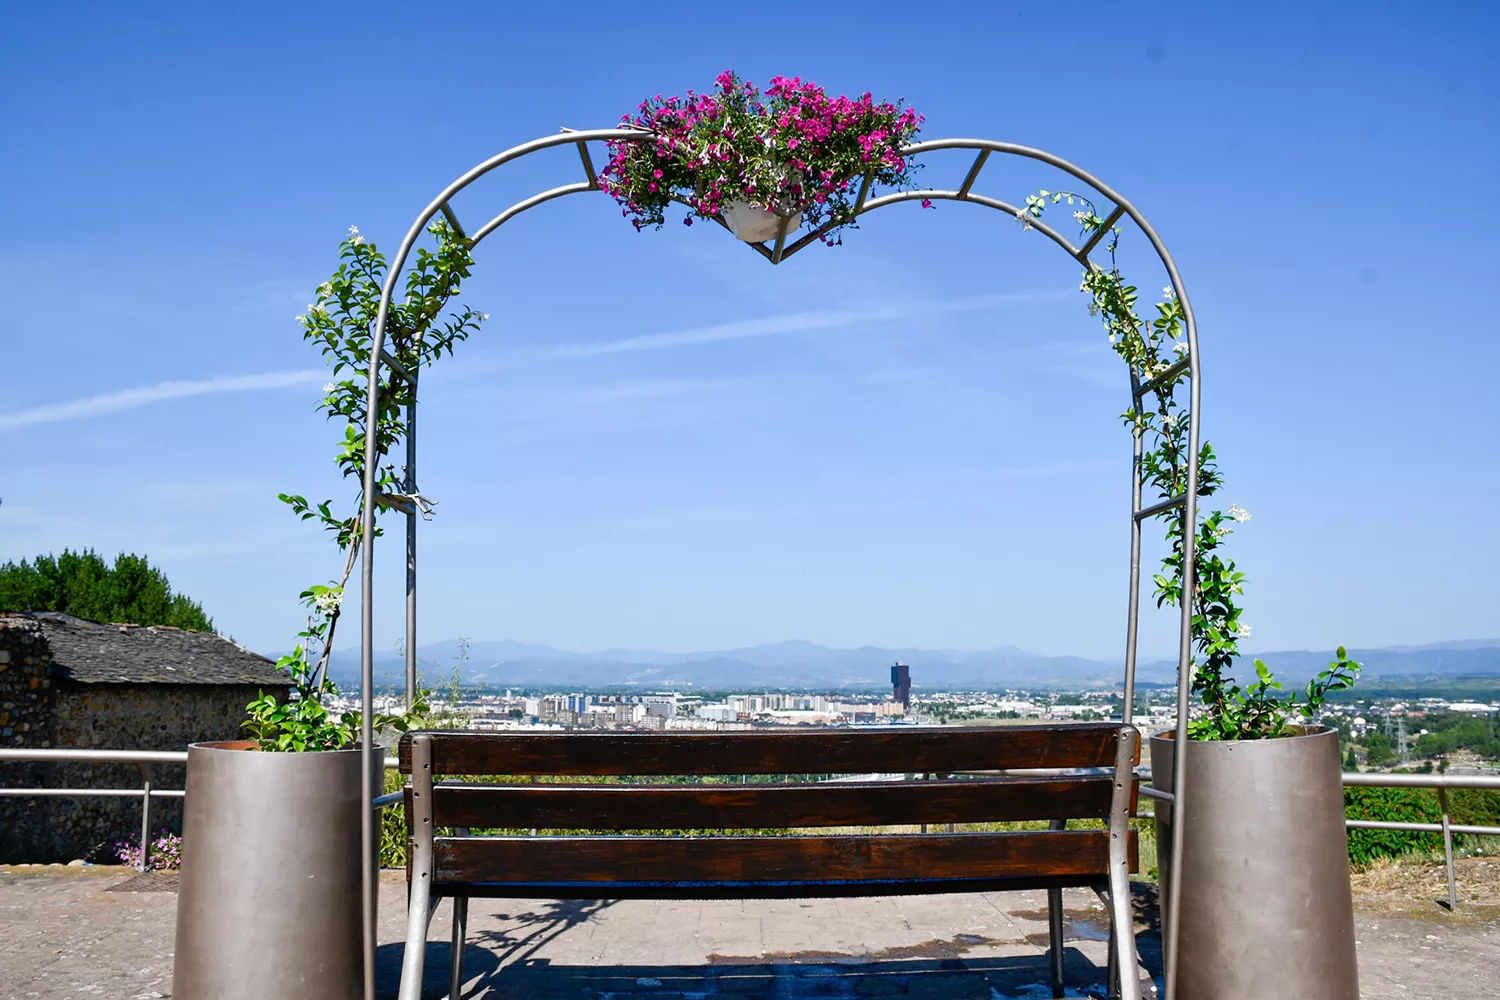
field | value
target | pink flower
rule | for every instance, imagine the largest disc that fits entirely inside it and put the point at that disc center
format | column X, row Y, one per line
column 926, row 202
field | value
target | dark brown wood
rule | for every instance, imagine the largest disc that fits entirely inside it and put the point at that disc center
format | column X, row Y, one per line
column 607, row 860
column 820, row 751
column 688, row 807
column 758, row 890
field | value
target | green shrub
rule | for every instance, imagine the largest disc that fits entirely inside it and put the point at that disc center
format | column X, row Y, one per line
column 1474, row 807
column 393, row 825
column 1391, row 805
column 1467, row 807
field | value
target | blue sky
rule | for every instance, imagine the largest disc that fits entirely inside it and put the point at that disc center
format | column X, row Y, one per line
column 660, row 441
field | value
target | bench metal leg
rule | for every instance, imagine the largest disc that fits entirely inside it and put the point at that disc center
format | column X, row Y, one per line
column 1122, row 921
column 419, row 900
column 456, row 962
column 460, row 923
column 1112, row 977
column 1055, row 926
column 1055, row 938
column 418, row 917
column 1112, row 966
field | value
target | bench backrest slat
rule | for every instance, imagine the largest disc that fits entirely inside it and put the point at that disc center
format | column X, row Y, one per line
column 686, row 807
column 828, row 751
column 772, row 859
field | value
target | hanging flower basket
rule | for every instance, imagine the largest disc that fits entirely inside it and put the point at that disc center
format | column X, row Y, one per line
column 753, row 222
column 796, row 155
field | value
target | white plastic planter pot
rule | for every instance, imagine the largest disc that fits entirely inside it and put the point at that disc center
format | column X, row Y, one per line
column 752, row 222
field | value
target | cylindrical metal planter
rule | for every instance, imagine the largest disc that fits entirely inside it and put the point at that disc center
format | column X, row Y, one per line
column 268, row 903
column 1266, row 905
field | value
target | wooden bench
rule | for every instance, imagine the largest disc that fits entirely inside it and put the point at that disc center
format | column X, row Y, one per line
column 1032, row 772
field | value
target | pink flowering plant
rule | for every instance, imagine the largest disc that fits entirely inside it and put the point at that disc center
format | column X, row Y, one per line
column 793, row 150
column 166, row 851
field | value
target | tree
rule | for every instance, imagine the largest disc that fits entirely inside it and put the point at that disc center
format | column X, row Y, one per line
column 1377, row 748
column 1351, row 762
column 83, row 584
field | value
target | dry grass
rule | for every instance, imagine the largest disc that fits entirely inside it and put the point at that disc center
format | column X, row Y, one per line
column 1412, row 886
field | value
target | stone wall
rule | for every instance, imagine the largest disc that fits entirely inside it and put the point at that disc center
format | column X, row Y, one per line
column 40, row 709
column 25, row 684
column 134, row 717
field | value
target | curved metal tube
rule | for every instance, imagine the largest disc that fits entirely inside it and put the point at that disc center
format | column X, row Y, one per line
column 532, row 202
column 975, row 199
column 986, row 146
column 368, row 884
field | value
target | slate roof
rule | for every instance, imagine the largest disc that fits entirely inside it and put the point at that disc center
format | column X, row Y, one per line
column 96, row 653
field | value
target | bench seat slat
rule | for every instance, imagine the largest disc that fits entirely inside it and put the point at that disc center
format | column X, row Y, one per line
column 901, row 857
column 831, row 751
column 684, row 807
column 758, row 890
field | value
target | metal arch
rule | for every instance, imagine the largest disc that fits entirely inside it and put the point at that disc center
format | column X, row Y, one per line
column 985, row 147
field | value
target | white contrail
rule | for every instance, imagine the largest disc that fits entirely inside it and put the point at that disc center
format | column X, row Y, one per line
column 129, row 399
column 764, row 326
column 767, row 326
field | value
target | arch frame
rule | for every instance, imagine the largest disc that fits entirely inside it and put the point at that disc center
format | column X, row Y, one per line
column 416, row 508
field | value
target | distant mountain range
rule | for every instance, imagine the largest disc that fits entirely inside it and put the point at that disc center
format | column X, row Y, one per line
column 805, row 665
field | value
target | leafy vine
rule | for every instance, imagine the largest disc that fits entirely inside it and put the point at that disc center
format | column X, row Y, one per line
column 1153, row 350
column 341, row 322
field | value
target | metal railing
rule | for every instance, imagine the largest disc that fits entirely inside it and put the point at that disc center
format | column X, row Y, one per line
column 1438, row 782
column 142, row 759
column 1441, row 783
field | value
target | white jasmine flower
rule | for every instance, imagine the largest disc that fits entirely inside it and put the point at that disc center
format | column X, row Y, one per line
column 1168, row 294
column 1243, row 631
column 1094, row 311
column 484, row 315
column 1180, row 347
column 302, row 320
column 1024, row 218
column 1239, row 513
column 328, row 388
column 1080, row 217
column 326, row 288
column 328, row 602
column 353, row 230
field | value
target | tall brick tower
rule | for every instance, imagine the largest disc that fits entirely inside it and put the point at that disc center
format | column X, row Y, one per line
column 901, row 685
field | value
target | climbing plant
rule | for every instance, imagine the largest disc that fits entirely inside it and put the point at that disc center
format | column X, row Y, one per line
column 1152, row 348
column 340, row 321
